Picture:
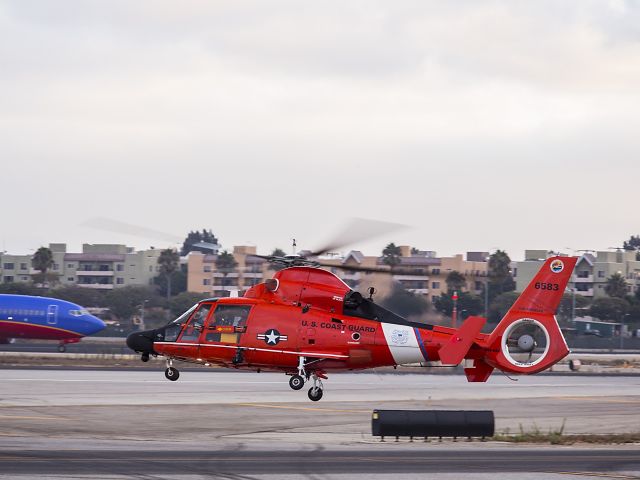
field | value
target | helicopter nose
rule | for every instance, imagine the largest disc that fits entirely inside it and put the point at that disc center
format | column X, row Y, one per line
column 140, row 342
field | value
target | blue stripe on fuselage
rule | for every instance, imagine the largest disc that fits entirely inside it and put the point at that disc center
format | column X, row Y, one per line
column 423, row 349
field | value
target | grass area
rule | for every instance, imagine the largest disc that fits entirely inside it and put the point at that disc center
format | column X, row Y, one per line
column 558, row 437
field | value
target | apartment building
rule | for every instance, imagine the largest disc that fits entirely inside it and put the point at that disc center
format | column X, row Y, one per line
column 590, row 274
column 99, row 266
column 423, row 272
column 204, row 277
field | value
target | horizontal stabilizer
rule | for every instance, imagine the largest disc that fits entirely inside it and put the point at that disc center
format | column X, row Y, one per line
column 454, row 351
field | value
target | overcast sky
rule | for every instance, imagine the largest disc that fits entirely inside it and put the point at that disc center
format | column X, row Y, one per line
column 483, row 125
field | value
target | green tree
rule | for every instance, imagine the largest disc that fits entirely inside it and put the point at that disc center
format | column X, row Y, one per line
column 178, row 283
column 633, row 243
column 225, row 264
column 391, row 255
column 455, row 282
column 613, row 308
column 616, row 286
column 16, row 288
column 85, row 297
column 169, row 262
column 183, row 302
column 467, row 302
column 126, row 301
column 566, row 306
column 42, row 261
column 500, row 279
column 405, row 303
column 194, row 237
column 501, row 305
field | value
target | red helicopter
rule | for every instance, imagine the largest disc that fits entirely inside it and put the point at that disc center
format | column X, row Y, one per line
column 307, row 322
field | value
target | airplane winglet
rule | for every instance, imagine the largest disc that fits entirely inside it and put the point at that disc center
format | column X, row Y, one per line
column 453, row 352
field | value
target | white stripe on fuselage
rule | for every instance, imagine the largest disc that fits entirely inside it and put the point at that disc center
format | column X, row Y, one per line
column 402, row 343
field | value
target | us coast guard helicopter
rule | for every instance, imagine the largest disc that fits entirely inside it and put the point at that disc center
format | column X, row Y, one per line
column 306, row 322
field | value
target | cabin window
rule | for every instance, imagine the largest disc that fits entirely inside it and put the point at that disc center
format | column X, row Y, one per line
column 227, row 323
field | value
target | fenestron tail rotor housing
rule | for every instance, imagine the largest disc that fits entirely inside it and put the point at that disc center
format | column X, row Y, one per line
column 525, row 342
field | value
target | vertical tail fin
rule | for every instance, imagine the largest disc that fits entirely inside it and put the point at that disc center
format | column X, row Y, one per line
column 528, row 338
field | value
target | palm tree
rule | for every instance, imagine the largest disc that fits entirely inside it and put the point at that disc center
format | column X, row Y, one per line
column 391, row 255
column 455, row 281
column 169, row 261
column 616, row 286
column 42, row 261
column 225, row 264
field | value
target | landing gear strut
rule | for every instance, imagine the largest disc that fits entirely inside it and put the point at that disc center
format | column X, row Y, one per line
column 296, row 382
column 171, row 372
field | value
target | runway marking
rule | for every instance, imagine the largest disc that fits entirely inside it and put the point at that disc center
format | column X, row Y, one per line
column 311, row 409
column 24, row 417
column 596, row 474
column 605, row 399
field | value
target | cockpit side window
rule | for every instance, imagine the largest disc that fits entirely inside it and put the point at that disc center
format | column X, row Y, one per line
column 191, row 331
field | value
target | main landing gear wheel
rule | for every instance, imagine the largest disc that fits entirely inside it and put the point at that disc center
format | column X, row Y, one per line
column 315, row 393
column 172, row 374
column 62, row 348
column 296, row 382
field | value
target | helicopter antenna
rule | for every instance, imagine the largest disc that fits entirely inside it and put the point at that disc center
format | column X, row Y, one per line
column 293, row 246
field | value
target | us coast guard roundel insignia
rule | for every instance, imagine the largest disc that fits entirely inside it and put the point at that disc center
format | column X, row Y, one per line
column 272, row 337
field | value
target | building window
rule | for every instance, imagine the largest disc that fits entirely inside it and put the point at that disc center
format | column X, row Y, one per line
column 8, row 279
column 120, row 281
column 207, row 268
column 515, row 272
column 25, row 279
column 151, row 268
column 435, row 271
column 56, row 266
column 69, row 265
column 120, row 267
column 583, row 274
column 206, row 281
column 23, row 266
column 8, row 266
column 600, row 273
column 70, row 279
column 435, row 285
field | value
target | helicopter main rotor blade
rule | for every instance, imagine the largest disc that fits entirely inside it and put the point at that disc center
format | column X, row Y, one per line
column 356, row 268
column 116, row 226
column 357, row 230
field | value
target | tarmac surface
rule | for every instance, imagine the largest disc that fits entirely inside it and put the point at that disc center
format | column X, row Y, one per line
column 123, row 424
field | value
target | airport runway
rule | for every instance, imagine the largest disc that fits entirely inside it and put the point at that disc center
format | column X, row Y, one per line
column 94, row 423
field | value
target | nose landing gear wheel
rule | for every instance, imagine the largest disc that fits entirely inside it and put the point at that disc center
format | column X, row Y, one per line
column 172, row 373
column 315, row 394
column 62, row 348
column 296, row 382
column 144, row 357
